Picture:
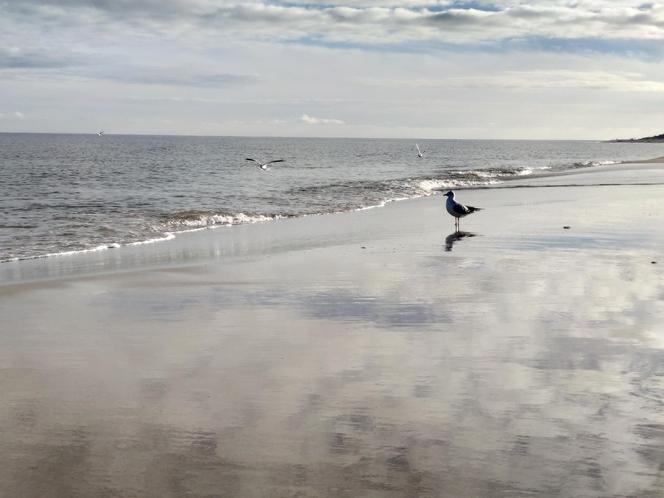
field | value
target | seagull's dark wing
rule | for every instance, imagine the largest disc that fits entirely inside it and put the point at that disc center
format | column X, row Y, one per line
column 460, row 209
column 276, row 161
column 250, row 159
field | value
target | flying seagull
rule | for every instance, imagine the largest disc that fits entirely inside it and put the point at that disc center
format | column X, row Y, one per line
column 100, row 133
column 264, row 166
column 457, row 209
column 420, row 154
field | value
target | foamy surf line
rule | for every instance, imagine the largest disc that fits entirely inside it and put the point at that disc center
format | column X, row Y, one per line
column 101, row 247
column 115, row 245
column 220, row 221
column 587, row 164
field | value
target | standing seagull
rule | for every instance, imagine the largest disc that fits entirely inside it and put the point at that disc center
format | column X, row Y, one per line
column 264, row 166
column 419, row 153
column 457, row 209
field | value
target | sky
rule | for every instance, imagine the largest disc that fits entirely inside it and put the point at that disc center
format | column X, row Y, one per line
column 591, row 69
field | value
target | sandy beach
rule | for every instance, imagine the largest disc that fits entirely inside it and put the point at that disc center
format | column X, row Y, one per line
column 364, row 354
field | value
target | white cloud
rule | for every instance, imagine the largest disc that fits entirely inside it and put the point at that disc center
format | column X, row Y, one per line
column 361, row 21
column 305, row 118
column 533, row 80
column 12, row 115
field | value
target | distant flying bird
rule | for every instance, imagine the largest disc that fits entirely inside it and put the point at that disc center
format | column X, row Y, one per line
column 457, row 209
column 420, row 154
column 100, row 133
column 264, row 166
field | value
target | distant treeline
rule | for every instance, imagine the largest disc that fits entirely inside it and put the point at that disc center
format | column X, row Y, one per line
column 655, row 138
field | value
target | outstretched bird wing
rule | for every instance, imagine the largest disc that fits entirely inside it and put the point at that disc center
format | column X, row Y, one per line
column 418, row 148
column 276, row 161
column 250, row 159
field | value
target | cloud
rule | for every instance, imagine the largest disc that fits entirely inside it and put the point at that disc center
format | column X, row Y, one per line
column 12, row 115
column 566, row 79
column 174, row 76
column 360, row 21
column 19, row 59
column 305, row 118
column 533, row 80
column 89, row 68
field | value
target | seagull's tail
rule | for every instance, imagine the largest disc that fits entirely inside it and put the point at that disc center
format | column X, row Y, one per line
column 472, row 209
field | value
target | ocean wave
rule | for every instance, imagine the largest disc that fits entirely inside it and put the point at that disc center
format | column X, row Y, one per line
column 473, row 178
column 431, row 186
column 167, row 236
column 101, row 247
column 586, row 164
column 413, row 186
column 177, row 223
column 204, row 219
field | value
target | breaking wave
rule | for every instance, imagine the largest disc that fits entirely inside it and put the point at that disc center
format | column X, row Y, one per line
column 586, row 164
column 205, row 219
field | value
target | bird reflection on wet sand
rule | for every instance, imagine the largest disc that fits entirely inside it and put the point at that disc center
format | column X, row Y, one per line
column 455, row 237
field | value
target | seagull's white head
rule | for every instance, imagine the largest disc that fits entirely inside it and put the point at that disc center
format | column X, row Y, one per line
column 449, row 194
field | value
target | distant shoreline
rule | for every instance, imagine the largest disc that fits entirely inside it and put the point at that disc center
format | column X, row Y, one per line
column 653, row 139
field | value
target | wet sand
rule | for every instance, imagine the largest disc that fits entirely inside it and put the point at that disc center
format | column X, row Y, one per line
column 656, row 160
column 368, row 354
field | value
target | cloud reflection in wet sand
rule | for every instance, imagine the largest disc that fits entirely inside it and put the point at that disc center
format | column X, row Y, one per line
column 529, row 376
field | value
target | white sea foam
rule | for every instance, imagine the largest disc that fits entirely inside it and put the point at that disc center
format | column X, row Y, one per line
column 205, row 220
column 605, row 163
column 431, row 186
column 101, row 247
column 597, row 163
column 486, row 174
column 167, row 236
column 381, row 204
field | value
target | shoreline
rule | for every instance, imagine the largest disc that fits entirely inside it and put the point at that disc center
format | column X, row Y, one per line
column 656, row 160
column 585, row 176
